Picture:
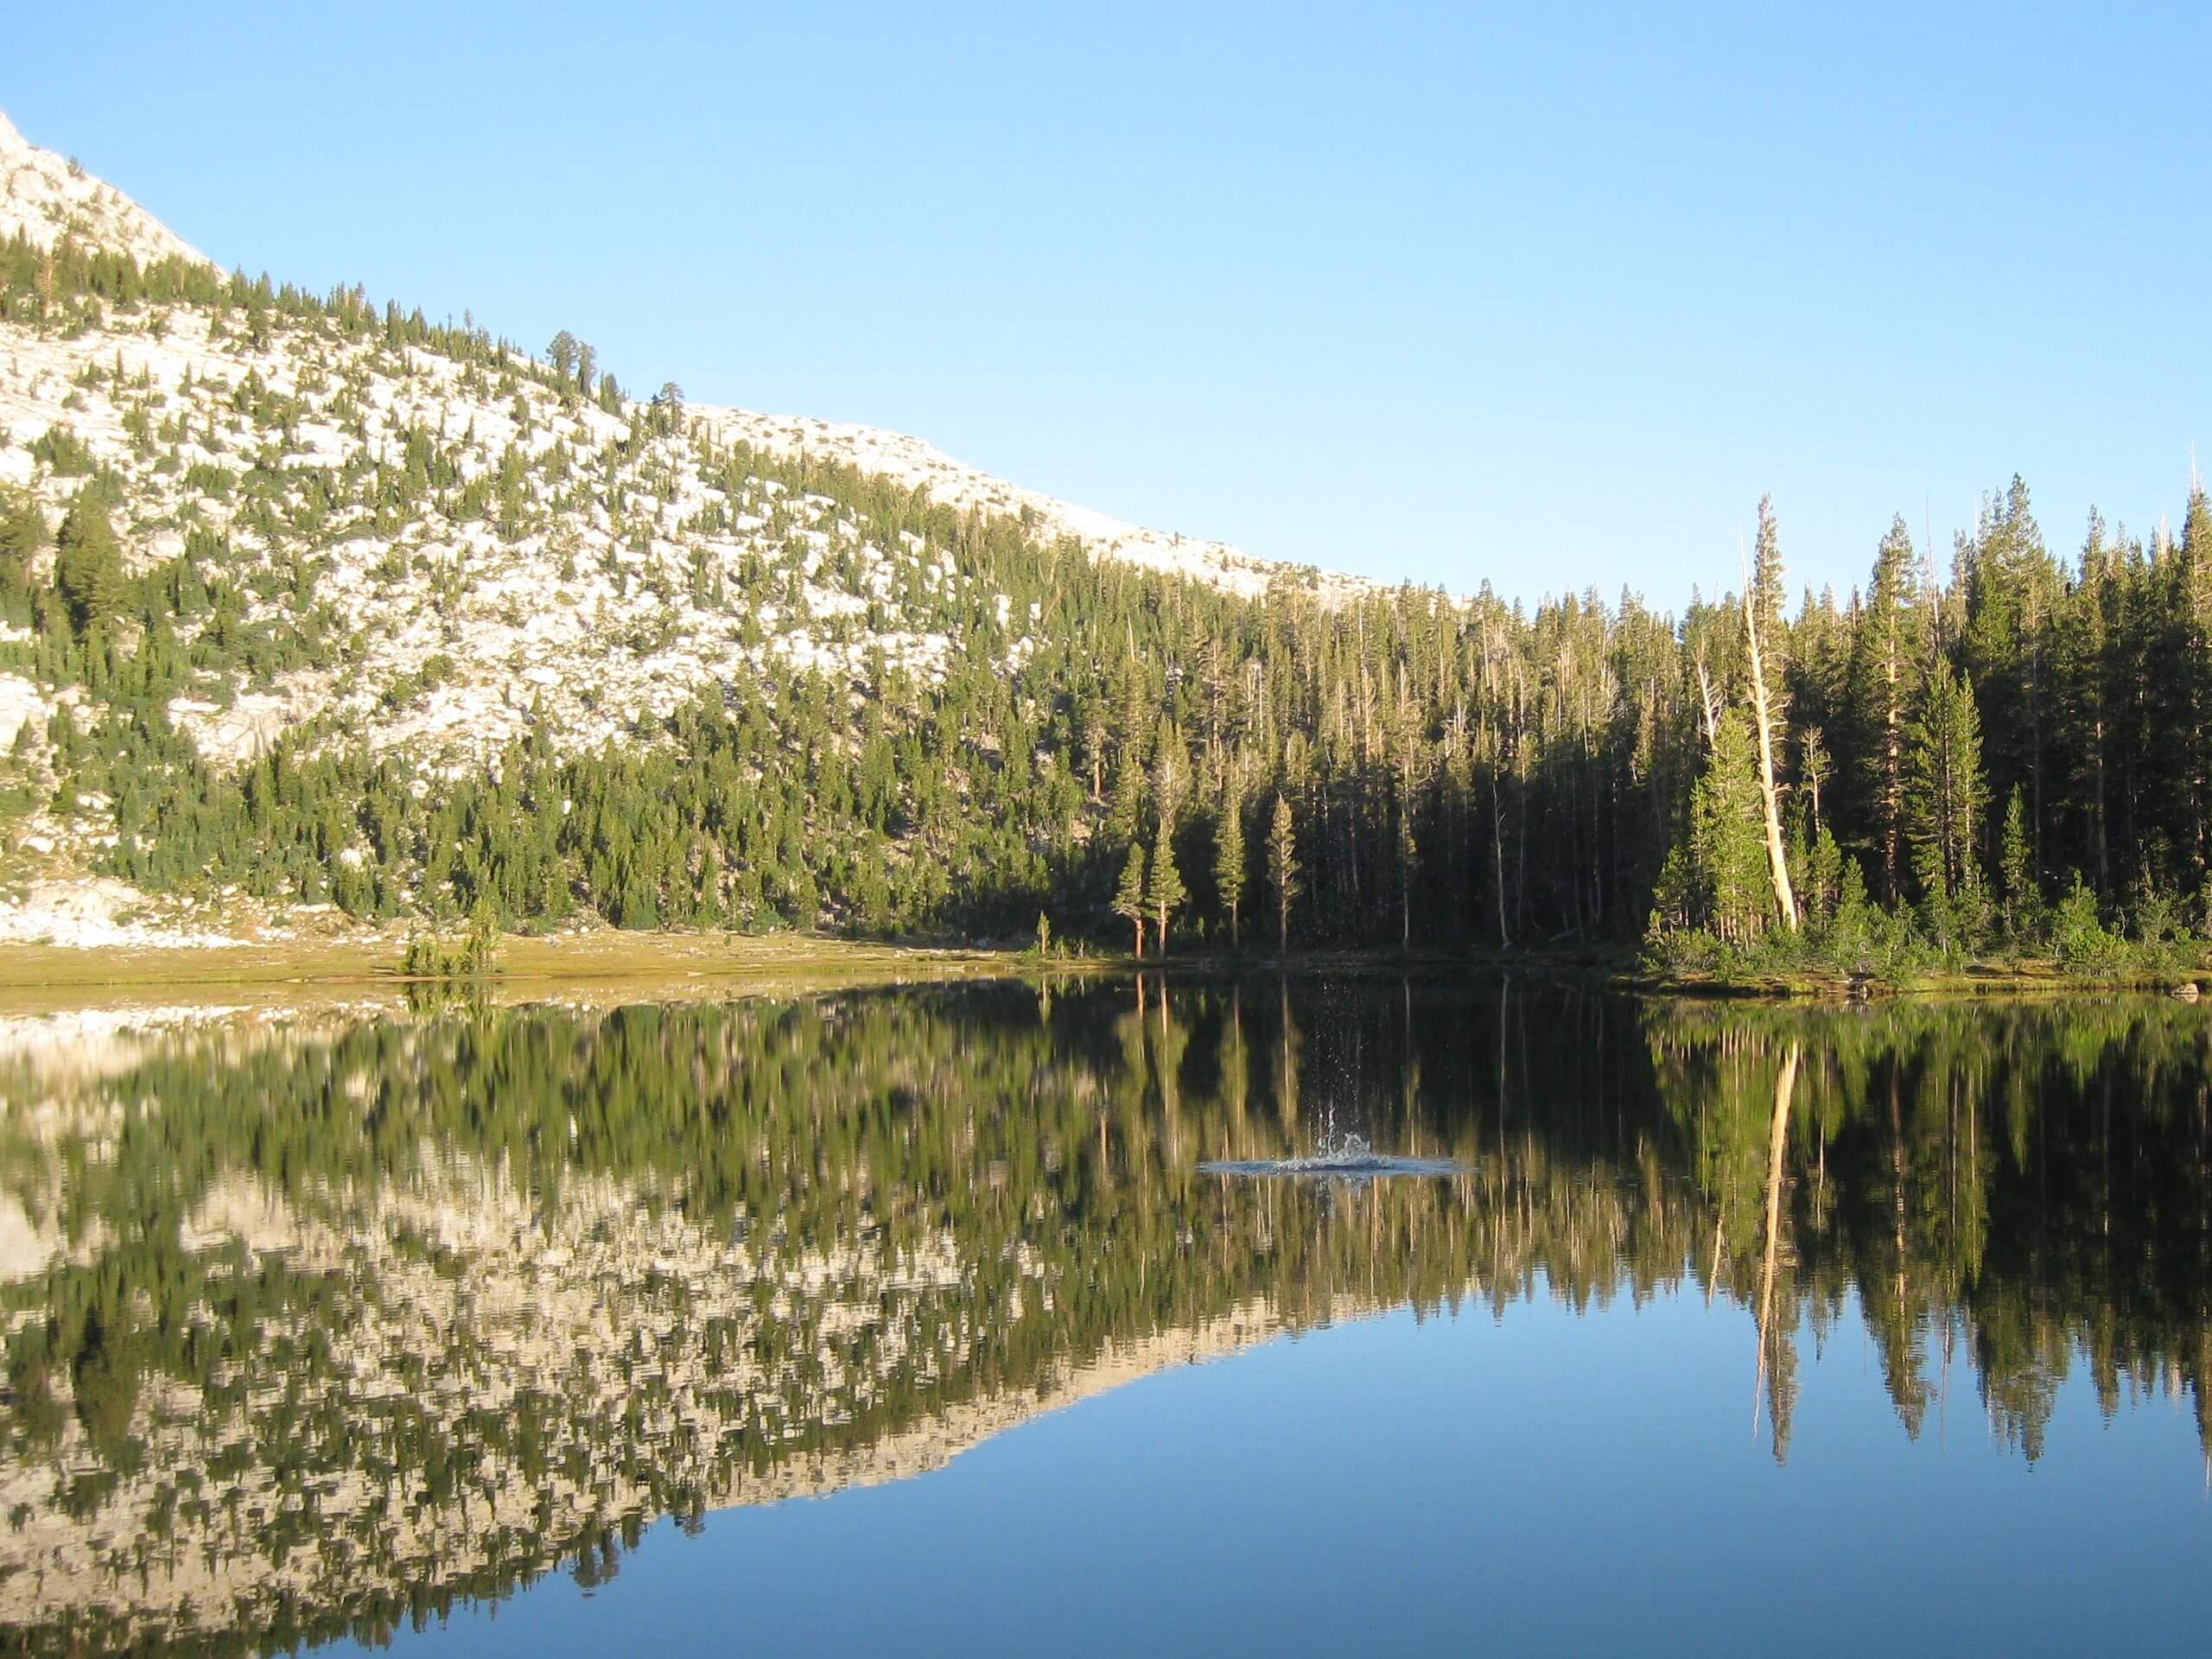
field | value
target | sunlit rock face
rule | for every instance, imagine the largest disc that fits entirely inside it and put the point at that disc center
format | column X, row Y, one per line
column 443, row 551
column 678, row 567
column 46, row 197
column 318, row 1323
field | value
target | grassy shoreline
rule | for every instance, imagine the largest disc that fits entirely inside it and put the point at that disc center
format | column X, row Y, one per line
column 2028, row 978
column 365, row 968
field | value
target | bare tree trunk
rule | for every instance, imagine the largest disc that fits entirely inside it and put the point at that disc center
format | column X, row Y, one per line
column 1777, row 861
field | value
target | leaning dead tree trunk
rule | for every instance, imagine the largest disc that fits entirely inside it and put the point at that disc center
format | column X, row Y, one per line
column 1762, row 717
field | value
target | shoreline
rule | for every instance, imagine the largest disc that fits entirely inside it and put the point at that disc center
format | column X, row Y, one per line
column 641, row 966
column 366, row 970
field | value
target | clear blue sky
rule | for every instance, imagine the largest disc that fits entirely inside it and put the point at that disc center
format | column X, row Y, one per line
column 1540, row 293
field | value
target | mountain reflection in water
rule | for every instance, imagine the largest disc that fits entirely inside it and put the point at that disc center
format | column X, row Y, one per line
column 319, row 1327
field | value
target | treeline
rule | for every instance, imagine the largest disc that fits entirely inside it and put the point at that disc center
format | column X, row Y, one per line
column 2008, row 755
column 2011, row 758
column 2039, row 1176
column 69, row 288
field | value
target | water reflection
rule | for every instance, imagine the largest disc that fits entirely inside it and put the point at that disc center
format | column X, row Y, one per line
column 319, row 1325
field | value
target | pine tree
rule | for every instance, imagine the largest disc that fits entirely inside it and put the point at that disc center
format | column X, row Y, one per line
column 2089, row 655
column 1851, row 928
column 2011, row 592
column 1408, row 777
column 1126, row 816
column 1091, row 736
column 1163, row 887
column 1728, row 835
column 1882, row 690
column 2191, row 606
column 1282, row 870
column 22, row 536
column 1824, row 865
column 1129, row 897
column 1229, row 861
column 1171, row 774
column 481, row 953
column 88, row 565
column 2016, row 862
column 1944, row 794
column 1768, row 595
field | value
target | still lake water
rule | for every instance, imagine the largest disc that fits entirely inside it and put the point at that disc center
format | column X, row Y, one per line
column 908, row 1321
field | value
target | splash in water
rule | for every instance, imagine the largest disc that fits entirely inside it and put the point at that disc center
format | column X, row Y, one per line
column 1346, row 1156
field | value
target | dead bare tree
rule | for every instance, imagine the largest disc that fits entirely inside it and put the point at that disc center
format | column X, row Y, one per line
column 1763, row 718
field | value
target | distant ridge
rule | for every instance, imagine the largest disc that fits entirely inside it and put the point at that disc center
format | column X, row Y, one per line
column 47, row 197
column 293, row 583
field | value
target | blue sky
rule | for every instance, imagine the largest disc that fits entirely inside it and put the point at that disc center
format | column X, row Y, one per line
column 1543, row 295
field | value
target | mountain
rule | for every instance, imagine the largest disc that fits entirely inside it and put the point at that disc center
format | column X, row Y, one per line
column 47, row 197
column 424, row 543
column 314, row 612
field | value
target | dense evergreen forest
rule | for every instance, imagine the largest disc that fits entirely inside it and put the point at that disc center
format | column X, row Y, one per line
column 2003, row 750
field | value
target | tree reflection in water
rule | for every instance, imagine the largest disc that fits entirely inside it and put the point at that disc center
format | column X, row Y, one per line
column 320, row 1326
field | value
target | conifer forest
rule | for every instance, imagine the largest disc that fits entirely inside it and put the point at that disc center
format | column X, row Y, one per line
column 1997, row 745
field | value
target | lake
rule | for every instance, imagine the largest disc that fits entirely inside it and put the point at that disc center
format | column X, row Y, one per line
column 920, row 1321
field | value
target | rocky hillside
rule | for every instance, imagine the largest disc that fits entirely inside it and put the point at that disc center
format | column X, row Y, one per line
column 553, row 544
column 337, row 526
column 47, row 197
